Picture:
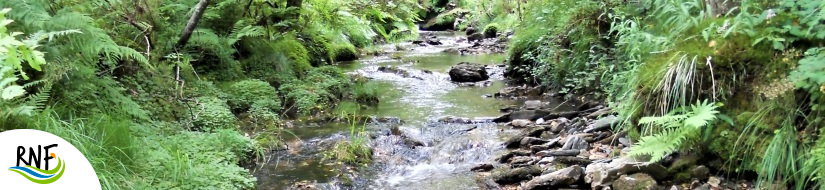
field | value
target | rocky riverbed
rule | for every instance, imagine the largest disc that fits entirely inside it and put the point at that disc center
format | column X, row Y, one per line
column 578, row 149
column 448, row 119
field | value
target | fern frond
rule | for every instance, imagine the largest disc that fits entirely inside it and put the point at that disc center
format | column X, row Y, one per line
column 38, row 100
column 701, row 114
column 659, row 145
column 676, row 128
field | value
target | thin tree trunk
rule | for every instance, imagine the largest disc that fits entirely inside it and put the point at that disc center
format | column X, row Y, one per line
column 192, row 24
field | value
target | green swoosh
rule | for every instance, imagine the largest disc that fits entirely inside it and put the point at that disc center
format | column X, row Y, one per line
column 44, row 181
column 52, row 171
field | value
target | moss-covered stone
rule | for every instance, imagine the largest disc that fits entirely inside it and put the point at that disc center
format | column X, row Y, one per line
column 491, row 30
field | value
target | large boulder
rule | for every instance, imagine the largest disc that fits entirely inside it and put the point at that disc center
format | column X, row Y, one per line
column 562, row 178
column 468, row 72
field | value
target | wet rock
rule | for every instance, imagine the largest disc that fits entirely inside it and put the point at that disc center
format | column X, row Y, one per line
column 548, row 153
column 486, row 183
column 602, row 124
column 482, row 167
column 386, row 120
column 637, row 181
column 558, row 125
column 475, row 37
column 521, row 161
column 394, row 70
column 456, row 120
column 540, row 121
column 596, row 175
column 532, row 104
column 514, row 175
column 567, row 160
column 470, row 30
column 528, row 114
column 655, row 170
column 599, row 113
column 588, row 105
column 626, row 142
column 433, row 41
column 575, row 143
column 537, row 148
column 567, row 115
column 468, row 72
column 714, row 181
column 602, row 174
column 700, row 172
column 521, row 123
column 527, row 141
column 504, row 158
column 303, row 185
column 562, row 178
column 515, row 141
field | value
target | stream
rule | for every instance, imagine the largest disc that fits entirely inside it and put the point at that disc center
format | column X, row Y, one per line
column 418, row 100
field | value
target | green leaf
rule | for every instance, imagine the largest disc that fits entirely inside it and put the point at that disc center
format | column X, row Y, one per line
column 12, row 92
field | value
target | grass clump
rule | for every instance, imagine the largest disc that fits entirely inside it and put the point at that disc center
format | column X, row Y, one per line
column 355, row 150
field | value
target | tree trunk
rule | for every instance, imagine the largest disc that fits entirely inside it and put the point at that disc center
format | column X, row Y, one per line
column 191, row 24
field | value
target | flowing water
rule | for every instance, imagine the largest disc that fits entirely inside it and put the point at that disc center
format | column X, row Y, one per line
column 419, row 100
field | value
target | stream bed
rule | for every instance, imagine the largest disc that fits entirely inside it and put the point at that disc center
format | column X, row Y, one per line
column 418, row 99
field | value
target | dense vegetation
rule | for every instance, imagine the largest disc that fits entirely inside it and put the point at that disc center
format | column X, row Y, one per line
column 155, row 91
column 180, row 94
column 663, row 63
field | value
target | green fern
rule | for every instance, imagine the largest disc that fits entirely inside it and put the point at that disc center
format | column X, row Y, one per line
column 675, row 129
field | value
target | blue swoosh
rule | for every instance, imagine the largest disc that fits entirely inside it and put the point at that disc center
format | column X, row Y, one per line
column 31, row 172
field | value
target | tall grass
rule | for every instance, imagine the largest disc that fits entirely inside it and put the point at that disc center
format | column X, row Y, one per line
column 106, row 142
column 356, row 149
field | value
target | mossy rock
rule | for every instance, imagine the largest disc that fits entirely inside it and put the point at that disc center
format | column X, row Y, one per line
column 295, row 52
column 491, row 30
column 444, row 21
column 320, row 51
column 345, row 52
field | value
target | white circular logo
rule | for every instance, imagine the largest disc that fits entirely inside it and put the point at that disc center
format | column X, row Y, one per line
column 35, row 159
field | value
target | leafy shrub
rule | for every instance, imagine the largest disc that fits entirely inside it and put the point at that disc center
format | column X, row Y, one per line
column 319, row 90
column 243, row 94
column 85, row 92
column 204, row 88
column 196, row 160
column 210, row 113
column 265, row 112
